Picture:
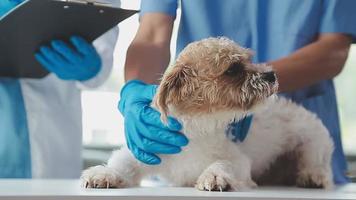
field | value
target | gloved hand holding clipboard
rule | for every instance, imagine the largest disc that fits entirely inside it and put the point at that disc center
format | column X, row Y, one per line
column 37, row 22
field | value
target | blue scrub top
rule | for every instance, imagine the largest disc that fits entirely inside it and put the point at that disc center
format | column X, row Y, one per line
column 15, row 156
column 273, row 29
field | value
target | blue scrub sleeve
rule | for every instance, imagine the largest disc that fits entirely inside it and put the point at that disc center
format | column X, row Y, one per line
column 339, row 17
column 168, row 7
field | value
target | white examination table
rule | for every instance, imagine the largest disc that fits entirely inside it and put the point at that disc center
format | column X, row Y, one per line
column 71, row 190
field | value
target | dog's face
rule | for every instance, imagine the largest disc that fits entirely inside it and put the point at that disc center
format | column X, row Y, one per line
column 214, row 74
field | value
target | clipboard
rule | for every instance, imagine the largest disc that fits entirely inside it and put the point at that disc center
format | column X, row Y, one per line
column 36, row 22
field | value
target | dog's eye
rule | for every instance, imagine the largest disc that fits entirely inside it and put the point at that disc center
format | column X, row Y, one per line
column 234, row 69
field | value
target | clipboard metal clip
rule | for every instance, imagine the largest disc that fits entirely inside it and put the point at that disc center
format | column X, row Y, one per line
column 89, row 2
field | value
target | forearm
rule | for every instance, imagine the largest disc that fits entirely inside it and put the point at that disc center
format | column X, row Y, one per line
column 146, row 62
column 321, row 60
column 149, row 54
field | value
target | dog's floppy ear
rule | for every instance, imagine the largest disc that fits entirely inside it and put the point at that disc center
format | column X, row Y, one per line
column 176, row 86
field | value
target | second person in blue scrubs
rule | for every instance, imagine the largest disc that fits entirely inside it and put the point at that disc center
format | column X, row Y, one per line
column 306, row 42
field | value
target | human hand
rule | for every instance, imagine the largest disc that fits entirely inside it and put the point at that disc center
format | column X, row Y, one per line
column 78, row 61
column 145, row 134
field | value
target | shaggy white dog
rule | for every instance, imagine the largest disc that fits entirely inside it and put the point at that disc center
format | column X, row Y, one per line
column 212, row 83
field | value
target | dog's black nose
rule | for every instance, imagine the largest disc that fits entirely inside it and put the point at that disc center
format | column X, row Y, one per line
column 269, row 76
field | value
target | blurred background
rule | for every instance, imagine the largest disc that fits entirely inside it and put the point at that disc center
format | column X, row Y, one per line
column 103, row 124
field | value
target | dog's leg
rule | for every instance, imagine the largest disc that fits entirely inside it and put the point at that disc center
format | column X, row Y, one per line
column 121, row 171
column 223, row 175
column 314, row 164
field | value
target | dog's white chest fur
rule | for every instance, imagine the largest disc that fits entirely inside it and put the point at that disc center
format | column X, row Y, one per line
column 207, row 144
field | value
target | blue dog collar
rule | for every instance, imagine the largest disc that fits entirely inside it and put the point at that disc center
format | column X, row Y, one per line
column 238, row 130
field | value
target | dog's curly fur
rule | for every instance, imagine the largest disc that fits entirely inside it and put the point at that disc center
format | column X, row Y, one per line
column 212, row 83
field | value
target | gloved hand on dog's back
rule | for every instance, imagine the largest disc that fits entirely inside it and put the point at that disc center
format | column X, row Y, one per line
column 145, row 134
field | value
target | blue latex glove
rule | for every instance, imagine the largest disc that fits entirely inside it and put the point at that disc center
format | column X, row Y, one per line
column 145, row 134
column 7, row 5
column 78, row 61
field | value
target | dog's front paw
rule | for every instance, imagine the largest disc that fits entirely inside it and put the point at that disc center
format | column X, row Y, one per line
column 210, row 181
column 102, row 177
column 317, row 178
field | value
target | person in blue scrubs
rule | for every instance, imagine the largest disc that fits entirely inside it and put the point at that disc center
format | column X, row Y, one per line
column 306, row 42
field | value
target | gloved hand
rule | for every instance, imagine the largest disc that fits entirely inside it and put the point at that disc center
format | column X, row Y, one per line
column 7, row 5
column 80, row 62
column 145, row 134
